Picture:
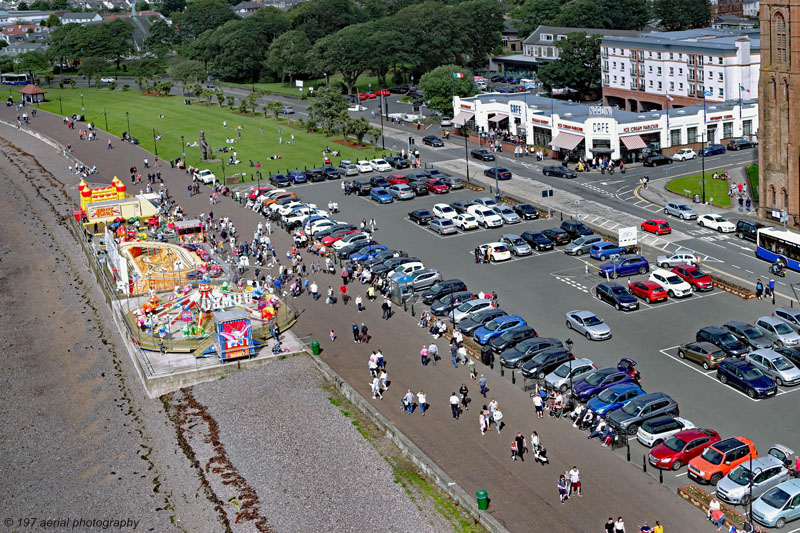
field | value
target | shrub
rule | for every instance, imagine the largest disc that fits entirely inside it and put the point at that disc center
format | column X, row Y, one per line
column 125, row 87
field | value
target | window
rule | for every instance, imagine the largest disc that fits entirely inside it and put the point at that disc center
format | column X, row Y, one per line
column 680, row 87
column 772, row 89
column 785, row 90
column 615, row 79
column 720, row 76
column 623, row 80
column 549, row 51
column 675, row 137
column 747, row 127
column 719, row 60
column 672, row 86
column 649, row 53
column 658, row 71
column 691, row 135
column 605, row 65
column 772, row 193
column 670, row 55
column 785, row 198
column 721, row 92
column 779, row 54
column 651, row 83
column 650, row 69
column 671, row 71
column 614, row 64
column 680, row 72
column 659, row 86
column 691, row 60
column 605, row 79
column 561, row 37
column 727, row 130
column 710, row 75
column 547, row 37
column 658, row 55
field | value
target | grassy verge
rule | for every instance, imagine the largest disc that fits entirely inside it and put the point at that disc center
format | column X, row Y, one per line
column 284, row 88
column 752, row 175
column 716, row 189
column 178, row 124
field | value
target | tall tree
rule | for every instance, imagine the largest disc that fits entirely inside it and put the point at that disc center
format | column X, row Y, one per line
column 92, row 67
column 161, row 39
column 443, row 82
column 204, row 48
column 202, row 15
column 32, row 62
column 171, row 6
column 476, row 30
column 578, row 65
column 627, row 14
column 187, row 71
column 683, row 14
column 328, row 103
column 344, row 52
column 323, row 17
column 392, row 44
column 534, row 13
column 577, row 13
column 430, row 48
column 288, row 54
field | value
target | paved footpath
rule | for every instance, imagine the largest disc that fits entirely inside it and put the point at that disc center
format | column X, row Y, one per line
column 523, row 494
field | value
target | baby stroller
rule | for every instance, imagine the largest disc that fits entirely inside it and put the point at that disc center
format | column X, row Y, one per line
column 540, row 454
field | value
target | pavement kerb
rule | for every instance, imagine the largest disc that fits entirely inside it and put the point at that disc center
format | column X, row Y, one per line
column 410, row 450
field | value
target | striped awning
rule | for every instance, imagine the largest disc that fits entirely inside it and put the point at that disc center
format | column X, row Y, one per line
column 567, row 141
column 462, row 118
column 498, row 117
column 633, row 142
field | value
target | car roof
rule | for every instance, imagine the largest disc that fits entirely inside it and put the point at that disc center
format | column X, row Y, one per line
column 767, row 353
column 650, row 284
column 732, row 443
column 793, row 312
column 693, row 433
column 510, row 236
column 765, row 461
column 737, row 324
column 715, row 330
column 770, row 319
column 658, row 421
column 649, row 397
column 582, row 313
column 624, row 387
column 581, row 361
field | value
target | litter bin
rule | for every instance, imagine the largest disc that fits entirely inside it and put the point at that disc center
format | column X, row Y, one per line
column 487, row 355
column 697, row 198
column 315, row 347
column 483, row 499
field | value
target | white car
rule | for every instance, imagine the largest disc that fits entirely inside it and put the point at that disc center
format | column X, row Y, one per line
column 717, row 222
column 206, row 176
column 657, row 430
column 364, row 237
column 444, row 211
column 681, row 257
column 683, row 154
column 485, row 216
column 497, row 251
column 319, row 225
column 470, row 307
column 288, row 207
column 303, row 213
column 379, row 165
column 363, row 166
column 107, row 79
column 671, row 282
column 466, row 222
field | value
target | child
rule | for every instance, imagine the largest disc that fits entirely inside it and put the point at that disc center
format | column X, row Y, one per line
column 333, row 336
column 514, row 450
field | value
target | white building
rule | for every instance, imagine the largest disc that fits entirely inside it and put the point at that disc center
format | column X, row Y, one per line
column 640, row 73
column 750, row 8
column 586, row 131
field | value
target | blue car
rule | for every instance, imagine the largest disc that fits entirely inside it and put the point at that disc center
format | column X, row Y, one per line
column 604, row 249
column 745, row 377
column 367, row 253
column 625, row 265
column 711, row 149
column 614, row 397
column 498, row 326
column 598, row 381
column 381, row 195
column 297, row 176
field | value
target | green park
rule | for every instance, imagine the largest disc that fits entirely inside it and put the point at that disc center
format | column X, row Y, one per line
column 716, row 189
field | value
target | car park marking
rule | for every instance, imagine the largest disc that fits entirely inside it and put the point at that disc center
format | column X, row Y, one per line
column 674, row 301
column 711, row 374
column 572, row 283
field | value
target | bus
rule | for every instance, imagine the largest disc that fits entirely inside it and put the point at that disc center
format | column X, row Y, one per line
column 14, row 79
column 778, row 245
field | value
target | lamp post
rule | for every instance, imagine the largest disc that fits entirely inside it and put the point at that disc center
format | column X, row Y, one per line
column 128, row 120
column 466, row 149
column 258, row 174
column 60, row 107
column 496, row 182
column 105, row 115
column 183, row 149
column 82, row 108
column 155, row 144
column 569, row 344
column 750, row 494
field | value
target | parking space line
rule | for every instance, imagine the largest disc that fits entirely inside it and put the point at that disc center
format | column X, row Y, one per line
column 702, row 373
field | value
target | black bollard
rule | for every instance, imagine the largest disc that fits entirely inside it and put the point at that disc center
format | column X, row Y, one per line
column 644, row 463
column 661, row 475
column 629, row 449
column 412, row 309
column 513, row 377
column 502, row 370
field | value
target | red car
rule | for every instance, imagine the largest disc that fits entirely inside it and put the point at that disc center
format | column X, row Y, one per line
column 699, row 280
column 648, row 290
column 338, row 235
column 383, row 92
column 436, row 186
column 370, row 95
column 397, row 179
column 659, row 226
column 682, row 447
column 255, row 192
column 363, row 96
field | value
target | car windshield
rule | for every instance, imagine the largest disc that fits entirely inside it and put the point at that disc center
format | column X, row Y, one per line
column 446, row 209
column 468, row 218
column 492, row 325
column 674, row 443
column 592, row 321
column 683, row 208
column 487, row 212
column 517, row 242
column 740, row 475
column 424, row 213
column 752, row 333
column 608, row 395
column 596, row 378
column 632, row 409
column 712, row 456
column 782, row 364
column 465, row 307
column 506, row 210
column 619, row 291
column 500, row 249
column 776, row 498
column 782, row 328
column 752, row 373
column 674, row 280
column 562, row 371
column 541, row 358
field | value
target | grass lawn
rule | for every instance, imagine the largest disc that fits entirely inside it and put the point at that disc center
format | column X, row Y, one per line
column 716, row 189
column 362, row 85
column 187, row 121
column 752, row 174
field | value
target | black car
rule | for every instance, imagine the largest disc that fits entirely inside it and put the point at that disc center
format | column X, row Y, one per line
column 379, row 181
column 316, row 175
column 468, row 325
column 331, row 173
column 746, row 377
column 511, row 337
column 520, row 354
column 501, row 173
column 537, row 240
column 417, row 182
column 279, row 180
column 391, row 264
column 461, row 207
column 545, row 362
column 353, row 248
column 559, row 171
column 482, row 155
column 398, row 162
column 616, row 295
column 526, row 211
column 557, row 235
column 748, row 229
column 575, row 228
column 402, row 89
column 432, row 140
column 724, row 339
column 421, row 216
column 441, row 288
column 656, row 160
column 362, row 187
column 739, row 144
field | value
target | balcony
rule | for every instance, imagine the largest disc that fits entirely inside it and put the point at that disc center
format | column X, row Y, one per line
column 691, row 75
column 633, row 86
column 641, row 85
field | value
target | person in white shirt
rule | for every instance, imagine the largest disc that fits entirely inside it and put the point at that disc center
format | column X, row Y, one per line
column 422, row 398
column 359, row 303
column 376, row 388
column 575, row 481
column 454, row 405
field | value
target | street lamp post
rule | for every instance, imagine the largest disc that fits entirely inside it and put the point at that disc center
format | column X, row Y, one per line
column 182, row 150
column 105, row 115
column 466, row 149
column 60, row 107
column 496, row 182
column 128, row 120
column 383, row 138
column 258, row 174
column 569, row 344
column 82, row 108
column 155, row 144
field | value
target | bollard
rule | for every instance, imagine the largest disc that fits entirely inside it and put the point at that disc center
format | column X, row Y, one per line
column 661, row 475
column 644, row 463
column 513, row 377
column 502, row 370
column 412, row 309
column 629, row 448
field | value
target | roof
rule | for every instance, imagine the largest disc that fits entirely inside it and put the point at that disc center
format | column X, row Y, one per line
column 79, row 16
column 31, row 89
column 713, row 40
column 533, row 38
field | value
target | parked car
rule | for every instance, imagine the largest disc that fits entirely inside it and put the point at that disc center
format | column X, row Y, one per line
column 598, row 381
column 672, row 283
column 453, row 183
column 381, row 195
column 287, row 110
column 681, row 448
column 614, row 397
column 538, row 240
column 502, row 174
column 420, row 216
column 348, row 169
column 582, row 245
column 790, row 316
column 778, row 505
column 469, row 308
column 279, row 180
column 699, row 280
column 379, row 181
column 516, row 244
column 716, row 222
column 362, row 187
column 625, row 265
column 482, row 155
column 683, row 154
column 777, row 331
column 774, row 366
column 495, row 328
column 397, row 179
column 747, row 229
column 526, row 211
column 401, row 192
column 740, row 144
column 656, row 160
column 748, row 334
column 576, row 228
column 461, row 207
column 422, row 279
column 711, row 149
column 436, row 186
column 604, row 249
column 680, row 257
column 559, row 171
column 658, row 226
column 745, row 377
column 511, row 338
column 588, row 324
column 657, row 430
column 720, row 458
column 486, row 201
column 443, row 288
column 569, row 372
column 682, row 211
column 465, row 222
column 331, row 173
column 558, row 236
column 616, row 295
column 443, row 226
column 432, row 140
column 545, row 362
column 519, row 354
column 706, row 354
column 496, row 251
column 639, row 410
column 448, row 302
column 648, row 290
column 722, row 338
column 364, row 166
column 398, row 162
column 468, row 325
column 297, row 176
column 507, row 214
column 485, row 216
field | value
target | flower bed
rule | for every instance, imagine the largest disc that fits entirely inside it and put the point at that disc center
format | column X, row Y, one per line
column 731, row 287
column 701, row 499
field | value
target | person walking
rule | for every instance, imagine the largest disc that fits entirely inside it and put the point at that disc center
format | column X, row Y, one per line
column 333, row 336
column 514, row 450
column 454, row 405
column 562, row 488
column 364, row 333
column 759, row 288
column 423, row 354
column 314, row 288
column 356, row 333
column 376, row 388
column 472, row 375
column 422, row 398
column 497, row 416
column 408, row 401
column 609, row 526
column 538, row 403
column 484, row 422
column 521, row 446
column 619, row 526
column 658, row 528
column 771, row 289
column 463, row 394
column 433, row 351
column 359, row 303
column 482, row 385
column 385, row 309
column 575, row 481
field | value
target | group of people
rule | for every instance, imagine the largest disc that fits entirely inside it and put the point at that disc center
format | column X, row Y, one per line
column 765, row 291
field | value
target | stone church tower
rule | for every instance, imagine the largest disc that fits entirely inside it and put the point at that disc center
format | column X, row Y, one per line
column 779, row 109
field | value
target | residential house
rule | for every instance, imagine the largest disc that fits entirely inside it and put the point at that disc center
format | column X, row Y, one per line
column 80, row 18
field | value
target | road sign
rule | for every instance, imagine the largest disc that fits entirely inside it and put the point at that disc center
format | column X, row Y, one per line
column 298, row 83
column 547, row 193
column 627, row 236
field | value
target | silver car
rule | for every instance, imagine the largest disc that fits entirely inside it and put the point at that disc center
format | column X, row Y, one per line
column 348, row 169
column 588, row 324
column 424, row 279
column 748, row 334
column 778, row 331
column 516, row 244
column 681, row 257
column 775, row 366
column 508, row 215
column 682, row 211
column 401, row 191
column 468, row 308
column 443, row 226
column 582, row 245
column 790, row 316
column 735, row 488
column 560, row 377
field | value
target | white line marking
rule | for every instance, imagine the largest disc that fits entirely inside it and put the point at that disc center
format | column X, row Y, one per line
column 710, row 375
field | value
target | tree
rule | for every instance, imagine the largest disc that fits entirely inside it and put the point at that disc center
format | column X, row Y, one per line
column 288, row 54
column 430, row 48
column 627, row 14
column 534, row 13
column 344, row 51
column 187, row 71
column 164, row 87
column 274, row 107
column 578, row 65
column 328, row 103
column 359, row 128
column 41, row 5
column 202, row 15
column 142, row 5
column 23, row 7
column 31, row 62
column 197, row 90
column 161, row 39
column 52, row 21
column 48, row 77
column 476, row 29
column 588, row 11
column 683, row 14
column 204, row 49
column 392, row 45
column 168, row 7
column 220, row 96
column 208, row 94
column 145, row 67
column 92, row 67
column 440, row 84
column 321, row 18
column 59, row 5
column 375, row 134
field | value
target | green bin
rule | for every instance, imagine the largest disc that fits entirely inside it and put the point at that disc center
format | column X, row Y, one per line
column 483, row 499
column 315, row 347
